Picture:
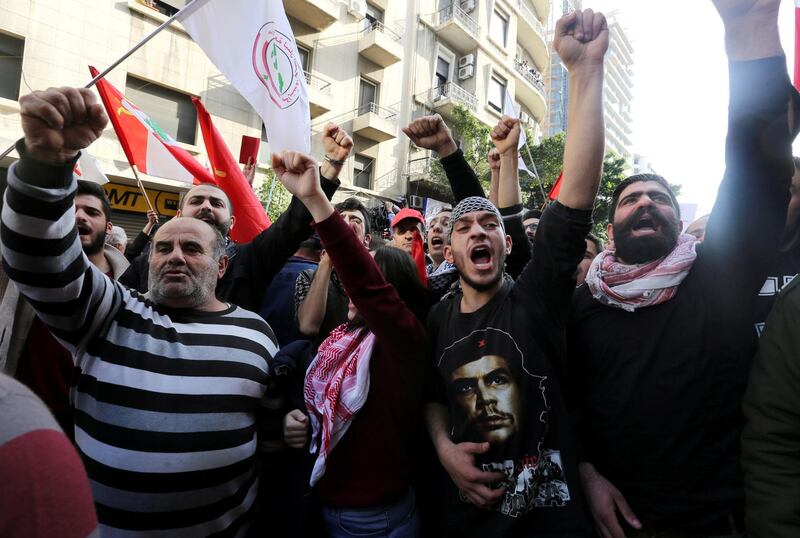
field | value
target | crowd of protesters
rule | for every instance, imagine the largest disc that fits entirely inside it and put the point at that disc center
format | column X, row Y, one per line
column 489, row 371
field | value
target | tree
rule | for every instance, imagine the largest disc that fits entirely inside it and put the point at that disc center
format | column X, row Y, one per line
column 280, row 196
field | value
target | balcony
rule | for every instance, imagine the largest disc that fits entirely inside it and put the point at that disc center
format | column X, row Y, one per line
column 380, row 45
column 455, row 26
column 531, row 35
column 542, row 8
column 530, row 89
column 444, row 98
column 320, row 99
column 375, row 123
column 318, row 14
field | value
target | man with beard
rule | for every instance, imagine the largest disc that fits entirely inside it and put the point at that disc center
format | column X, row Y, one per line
column 252, row 266
column 30, row 352
column 167, row 387
column 499, row 338
column 661, row 337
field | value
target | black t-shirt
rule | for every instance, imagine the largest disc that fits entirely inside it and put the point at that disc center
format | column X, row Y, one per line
column 660, row 389
column 781, row 273
column 499, row 371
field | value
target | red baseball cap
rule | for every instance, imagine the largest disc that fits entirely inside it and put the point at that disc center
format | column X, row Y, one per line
column 408, row 213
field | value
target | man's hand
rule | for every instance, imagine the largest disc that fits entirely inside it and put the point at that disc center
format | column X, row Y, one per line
column 459, row 461
column 298, row 173
column 336, row 142
column 505, row 136
column 59, row 122
column 751, row 28
column 152, row 220
column 249, row 171
column 733, row 10
column 581, row 39
column 295, row 429
column 431, row 132
column 494, row 160
column 604, row 501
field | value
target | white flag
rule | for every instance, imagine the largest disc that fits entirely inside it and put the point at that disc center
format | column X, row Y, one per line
column 87, row 168
column 253, row 45
column 509, row 110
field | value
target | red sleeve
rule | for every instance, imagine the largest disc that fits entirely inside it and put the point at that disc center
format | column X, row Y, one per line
column 384, row 312
column 44, row 490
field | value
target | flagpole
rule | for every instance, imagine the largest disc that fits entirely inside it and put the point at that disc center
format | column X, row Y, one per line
column 141, row 188
column 124, row 57
column 535, row 172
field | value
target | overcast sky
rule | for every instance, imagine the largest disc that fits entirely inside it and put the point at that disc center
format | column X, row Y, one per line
column 681, row 88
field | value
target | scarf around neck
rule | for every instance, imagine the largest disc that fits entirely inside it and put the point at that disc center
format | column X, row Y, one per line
column 336, row 388
column 636, row 286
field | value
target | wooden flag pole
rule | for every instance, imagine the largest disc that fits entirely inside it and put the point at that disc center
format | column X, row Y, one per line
column 140, row 44
column 141, row 188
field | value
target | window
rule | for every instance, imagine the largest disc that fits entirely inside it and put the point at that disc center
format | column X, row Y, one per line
column 367, row 95
column 172, row 111
column 442, row 75
column 362, row 171
column 497, row 92
column 11, row 49
column 498, row 28
column 305, row 57
column 374, row 16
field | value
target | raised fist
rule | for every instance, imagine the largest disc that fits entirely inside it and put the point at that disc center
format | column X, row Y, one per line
column 298, row 173
column 431, row 132
column 505, row 135
column 336, row 142
column 581, row 38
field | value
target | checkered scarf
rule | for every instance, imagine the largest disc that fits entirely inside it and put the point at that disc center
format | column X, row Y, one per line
column 635, row 286
column 336, row 388
column 468, row 205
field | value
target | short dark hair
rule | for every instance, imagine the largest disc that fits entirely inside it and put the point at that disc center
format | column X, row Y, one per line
column 596, row 240
column 532, row 214
column 90, row 188
column 354, row 204
column 630, row 180
column 184, row 196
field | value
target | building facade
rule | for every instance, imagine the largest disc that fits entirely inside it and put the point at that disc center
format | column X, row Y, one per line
column 557, row 76
column 371, row 66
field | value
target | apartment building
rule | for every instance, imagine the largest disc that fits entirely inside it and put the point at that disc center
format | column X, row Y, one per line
column 371, row 66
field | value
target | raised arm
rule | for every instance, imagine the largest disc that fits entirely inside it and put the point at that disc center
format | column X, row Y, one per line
column 431, row 132
column 493, row 159
column 311, row 311
column 581, row 41
column 42, row 253
column 267, row 253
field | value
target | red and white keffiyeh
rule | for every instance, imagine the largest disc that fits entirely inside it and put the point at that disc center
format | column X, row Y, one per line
column 635, row 286
column 336, row 388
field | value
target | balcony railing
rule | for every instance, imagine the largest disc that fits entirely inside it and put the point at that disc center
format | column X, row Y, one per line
column 456, row 94
column 454, row 12
column 531, row 17
column 318, row 83
column 530, row 74
column 382, row 28
column 386, row 181
column 387, row 113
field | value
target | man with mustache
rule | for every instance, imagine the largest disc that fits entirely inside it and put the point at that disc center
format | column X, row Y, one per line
column 252, row 266
column 168, row 386
column 661, row 336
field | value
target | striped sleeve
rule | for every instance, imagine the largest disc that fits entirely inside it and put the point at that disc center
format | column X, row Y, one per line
column 42, row 253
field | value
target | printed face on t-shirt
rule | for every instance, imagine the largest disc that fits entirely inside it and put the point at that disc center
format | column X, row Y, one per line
column 488, row 398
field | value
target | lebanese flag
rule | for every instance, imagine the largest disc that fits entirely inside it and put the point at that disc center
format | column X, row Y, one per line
column 251, row 219
column 418, row 254
column 797, row 44
column 553, row 194
column 145, row 144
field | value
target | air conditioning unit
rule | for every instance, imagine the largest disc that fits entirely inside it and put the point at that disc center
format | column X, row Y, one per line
column 524, row 118
column 466, row 72
column 357, row 8
column 416, row 202
column 468, row 5
column 464, row 61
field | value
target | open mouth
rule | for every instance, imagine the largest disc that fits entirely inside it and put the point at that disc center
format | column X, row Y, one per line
column 645, row 223
column 437, row 242
column 481, row 256
column 83, row 229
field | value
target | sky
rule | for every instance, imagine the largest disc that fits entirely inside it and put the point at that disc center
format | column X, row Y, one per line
column 681, row 88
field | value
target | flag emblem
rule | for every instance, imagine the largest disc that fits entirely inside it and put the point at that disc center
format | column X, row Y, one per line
column 277, row 66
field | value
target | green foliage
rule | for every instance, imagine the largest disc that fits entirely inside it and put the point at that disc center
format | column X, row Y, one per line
column 280, row 196
column 474, row 141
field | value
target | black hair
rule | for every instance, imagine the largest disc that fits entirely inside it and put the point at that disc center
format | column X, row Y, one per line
column 630, row 180
column 597, row 242
column 90, row 188
column 399, row 270
column 184, row 196
column 354, row 204
column 532, row 214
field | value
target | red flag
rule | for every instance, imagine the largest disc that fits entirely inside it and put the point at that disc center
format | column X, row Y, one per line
column 797, row 44
column 553, row 194
column 251, row 219
column 418, row 253
column 146, row 145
